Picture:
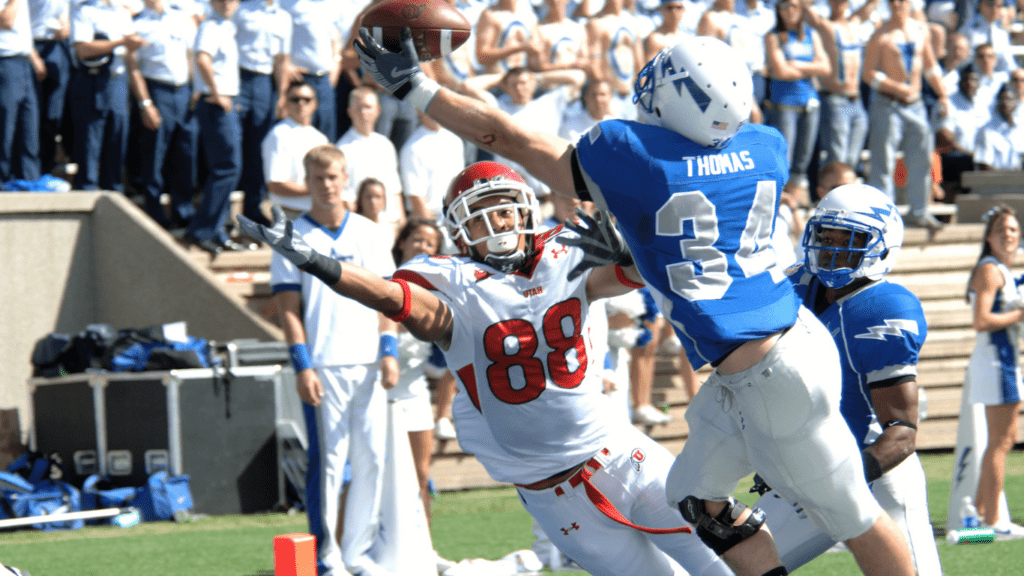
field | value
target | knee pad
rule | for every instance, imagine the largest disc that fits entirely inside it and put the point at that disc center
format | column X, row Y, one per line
column 718, row 531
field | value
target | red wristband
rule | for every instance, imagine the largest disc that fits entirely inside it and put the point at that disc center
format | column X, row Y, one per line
column 624, row 280
column 406, row 302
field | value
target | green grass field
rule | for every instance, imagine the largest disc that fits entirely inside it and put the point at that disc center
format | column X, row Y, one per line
column 471, row 524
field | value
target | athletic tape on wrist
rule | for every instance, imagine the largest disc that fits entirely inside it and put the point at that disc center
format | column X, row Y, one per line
column 299, row 354
column 326, row 269
column 422, row 92
column 872, row 467
column 406, row 302
column 388, row 344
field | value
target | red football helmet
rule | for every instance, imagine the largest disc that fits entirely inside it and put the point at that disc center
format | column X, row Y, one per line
column 485, row 179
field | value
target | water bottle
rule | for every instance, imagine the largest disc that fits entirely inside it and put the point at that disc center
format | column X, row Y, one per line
column 971, row 533
column 969, row 514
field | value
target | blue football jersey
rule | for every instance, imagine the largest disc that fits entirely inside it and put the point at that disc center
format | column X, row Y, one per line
column 879, row 330
column 699, row 223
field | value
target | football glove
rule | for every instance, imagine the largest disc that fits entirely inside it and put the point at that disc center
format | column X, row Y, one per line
column 600, row 240
column 398, row 73
column 283, row 238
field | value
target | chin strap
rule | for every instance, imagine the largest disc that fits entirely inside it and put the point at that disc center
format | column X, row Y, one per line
column 506, row 262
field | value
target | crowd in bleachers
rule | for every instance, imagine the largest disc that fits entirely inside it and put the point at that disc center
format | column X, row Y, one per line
column 174, row 99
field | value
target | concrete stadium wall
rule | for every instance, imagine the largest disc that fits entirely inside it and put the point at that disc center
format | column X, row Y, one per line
column 68, row 260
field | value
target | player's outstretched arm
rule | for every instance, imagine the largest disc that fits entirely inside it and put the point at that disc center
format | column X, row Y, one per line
column 546, row 156
column 423, row 313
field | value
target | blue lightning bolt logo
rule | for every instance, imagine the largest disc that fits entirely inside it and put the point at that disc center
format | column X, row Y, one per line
column 962, row 465
column 682, row 78
column 891, row 328
column 877, row 213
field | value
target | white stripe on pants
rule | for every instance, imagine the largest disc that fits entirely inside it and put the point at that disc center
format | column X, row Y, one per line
column 352, row 426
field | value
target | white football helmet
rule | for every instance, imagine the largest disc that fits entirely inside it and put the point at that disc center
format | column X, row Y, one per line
column 700, row 88
column 864, row 211
column 485, row 179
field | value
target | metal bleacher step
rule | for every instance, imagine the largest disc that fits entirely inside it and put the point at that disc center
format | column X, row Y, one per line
column 949, row 285
column 948, row 313
column 936, row 258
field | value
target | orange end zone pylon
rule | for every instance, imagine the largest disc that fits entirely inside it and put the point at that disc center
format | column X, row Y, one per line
column 295, row 555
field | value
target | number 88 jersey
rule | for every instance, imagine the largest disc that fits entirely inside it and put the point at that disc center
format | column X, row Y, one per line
column 699, row 223
column 530, row 400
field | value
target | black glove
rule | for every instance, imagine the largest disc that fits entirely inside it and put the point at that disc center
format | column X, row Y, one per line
column 283, row 238
column 600, row 240
column 398, row 73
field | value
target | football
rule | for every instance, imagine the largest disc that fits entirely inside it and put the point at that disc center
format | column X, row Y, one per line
column 437, row 27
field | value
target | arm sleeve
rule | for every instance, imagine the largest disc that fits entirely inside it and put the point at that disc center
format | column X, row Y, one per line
column 206, row 41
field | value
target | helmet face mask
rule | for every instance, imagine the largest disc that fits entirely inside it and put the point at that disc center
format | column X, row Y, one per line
column 699, row 88
column 854, row 233
column 462, row 211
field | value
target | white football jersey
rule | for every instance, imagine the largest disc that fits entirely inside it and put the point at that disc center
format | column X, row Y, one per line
column 339, row 330
column 530, row 402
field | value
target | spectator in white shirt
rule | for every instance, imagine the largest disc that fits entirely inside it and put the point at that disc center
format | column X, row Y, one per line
column 593, row 107
column 285, row 146
column 986, row 27
column 427, row 163
column 370, row 154
column 990, row 79
column 997, row 144
column 519, row 98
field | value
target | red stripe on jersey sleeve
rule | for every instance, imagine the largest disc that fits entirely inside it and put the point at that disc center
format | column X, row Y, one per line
column 413, row 277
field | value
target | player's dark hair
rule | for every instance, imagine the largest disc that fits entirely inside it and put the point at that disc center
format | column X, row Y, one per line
column 411, row 225
column 996, row 214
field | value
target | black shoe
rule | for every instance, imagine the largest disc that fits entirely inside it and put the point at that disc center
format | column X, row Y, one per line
column 243, row 246
column 210, row 245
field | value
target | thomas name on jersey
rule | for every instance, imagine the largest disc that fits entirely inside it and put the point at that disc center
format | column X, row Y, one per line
column 715, row 164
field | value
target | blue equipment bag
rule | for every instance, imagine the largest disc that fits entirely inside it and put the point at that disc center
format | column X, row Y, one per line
column 98, row 493
column 46, row 497
column 165, row 497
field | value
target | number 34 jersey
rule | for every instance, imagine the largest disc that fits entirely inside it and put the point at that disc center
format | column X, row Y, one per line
column 699, row 223
column 530, row 402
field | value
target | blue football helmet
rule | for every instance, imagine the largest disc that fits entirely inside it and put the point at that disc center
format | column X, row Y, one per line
column 876, row 235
